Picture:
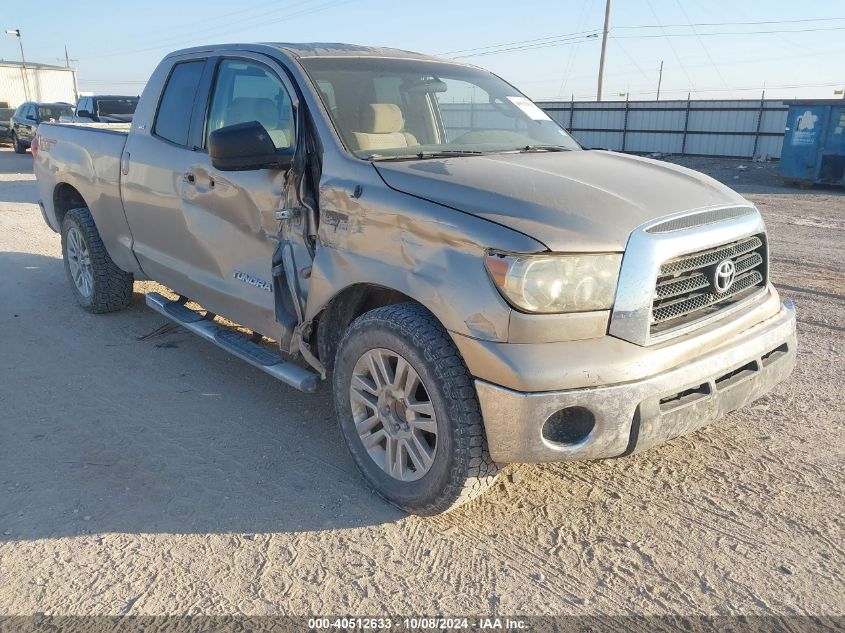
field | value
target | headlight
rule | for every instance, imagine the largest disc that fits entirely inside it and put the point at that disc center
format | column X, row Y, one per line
column 556, row 283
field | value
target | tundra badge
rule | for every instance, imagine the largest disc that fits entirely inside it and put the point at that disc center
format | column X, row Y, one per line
column 252, row 281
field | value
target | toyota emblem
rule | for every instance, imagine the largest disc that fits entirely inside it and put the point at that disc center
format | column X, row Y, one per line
column 722, row 276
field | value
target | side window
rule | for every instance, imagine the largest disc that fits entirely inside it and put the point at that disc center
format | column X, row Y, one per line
column 173, row 120
column 247, row 91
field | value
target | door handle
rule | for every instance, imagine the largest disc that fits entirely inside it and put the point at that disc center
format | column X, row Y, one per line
column 189, row 177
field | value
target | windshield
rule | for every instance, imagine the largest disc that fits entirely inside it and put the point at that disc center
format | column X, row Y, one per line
column 395, row 108
column 52, row 113
column 107, row 107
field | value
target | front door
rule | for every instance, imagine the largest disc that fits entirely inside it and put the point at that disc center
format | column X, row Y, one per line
column 208, row 234
column 234, row 212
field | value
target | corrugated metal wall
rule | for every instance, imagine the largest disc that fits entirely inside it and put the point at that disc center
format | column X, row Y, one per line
column 741, row 128
column 44, row 84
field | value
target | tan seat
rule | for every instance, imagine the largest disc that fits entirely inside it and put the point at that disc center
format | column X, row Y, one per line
column 384, row 122
column 265, row 111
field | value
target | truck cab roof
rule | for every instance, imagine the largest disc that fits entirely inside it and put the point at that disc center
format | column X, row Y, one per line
column 318, row 49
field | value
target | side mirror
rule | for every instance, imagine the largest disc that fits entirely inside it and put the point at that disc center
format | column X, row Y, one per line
column 30, row 117
column 84, row 114
column 246, row 146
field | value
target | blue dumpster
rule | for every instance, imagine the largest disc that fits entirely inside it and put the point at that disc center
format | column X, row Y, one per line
column 814, row 142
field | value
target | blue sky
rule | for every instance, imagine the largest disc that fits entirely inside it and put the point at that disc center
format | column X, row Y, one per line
column 553, row 48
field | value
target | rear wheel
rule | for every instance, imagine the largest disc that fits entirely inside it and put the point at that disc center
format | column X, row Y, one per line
column 20, row 148
column 409, row 413
column 98, row 284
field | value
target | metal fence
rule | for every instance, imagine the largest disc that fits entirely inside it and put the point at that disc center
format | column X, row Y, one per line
column 738, row 129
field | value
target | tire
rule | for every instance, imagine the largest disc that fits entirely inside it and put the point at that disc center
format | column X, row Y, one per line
column 456, row 466
column 20, row 148
column 98, row 284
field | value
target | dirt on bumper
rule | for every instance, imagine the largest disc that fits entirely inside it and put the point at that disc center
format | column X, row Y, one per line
column 634, row 416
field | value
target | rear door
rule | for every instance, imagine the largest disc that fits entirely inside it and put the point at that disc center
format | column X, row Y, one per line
column 154, row 176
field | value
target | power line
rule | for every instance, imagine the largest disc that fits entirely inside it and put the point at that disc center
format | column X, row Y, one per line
column 185, row 39
column 633, row 61
column 833, row 28
column 586, row 8
column 752, row 23
column 671, row 46
column 701, row 43
column 518, row 42
column 560, row 42
column 554, row 40
column 710, row 90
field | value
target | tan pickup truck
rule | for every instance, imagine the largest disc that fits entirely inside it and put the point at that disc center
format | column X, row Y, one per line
column 480, row 289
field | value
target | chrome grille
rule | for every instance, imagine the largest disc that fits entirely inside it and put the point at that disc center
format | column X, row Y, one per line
column 684, row 293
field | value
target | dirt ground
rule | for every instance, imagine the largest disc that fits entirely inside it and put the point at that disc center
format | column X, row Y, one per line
column 162, row 476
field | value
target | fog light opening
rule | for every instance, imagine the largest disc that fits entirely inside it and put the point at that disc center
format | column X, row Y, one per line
column 569, row 426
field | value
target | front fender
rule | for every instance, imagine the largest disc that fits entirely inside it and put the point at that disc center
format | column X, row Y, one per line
column 429, row 252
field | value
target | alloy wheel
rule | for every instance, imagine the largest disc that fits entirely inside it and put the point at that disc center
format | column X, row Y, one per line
column 393, row 414
column 79, row 262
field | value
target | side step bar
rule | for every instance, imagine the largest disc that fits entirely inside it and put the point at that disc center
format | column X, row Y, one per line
column 235, row 343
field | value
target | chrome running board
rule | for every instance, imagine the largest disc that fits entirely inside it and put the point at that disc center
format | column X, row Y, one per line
column 235, row 343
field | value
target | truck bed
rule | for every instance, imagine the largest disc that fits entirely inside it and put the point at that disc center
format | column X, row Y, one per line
column 87, row 157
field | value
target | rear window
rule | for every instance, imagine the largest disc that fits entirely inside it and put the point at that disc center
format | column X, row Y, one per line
column 106, row 107
column 52, row 113
column 174, row 110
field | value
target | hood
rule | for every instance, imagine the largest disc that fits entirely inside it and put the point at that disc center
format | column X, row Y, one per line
column 588, row 201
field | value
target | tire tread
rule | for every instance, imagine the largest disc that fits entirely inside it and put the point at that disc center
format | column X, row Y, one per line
column 112, row 289
column 472, row 471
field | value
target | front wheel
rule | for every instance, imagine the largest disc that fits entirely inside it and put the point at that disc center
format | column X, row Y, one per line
column 20, row 148
column 409, row 413
column 98, row 284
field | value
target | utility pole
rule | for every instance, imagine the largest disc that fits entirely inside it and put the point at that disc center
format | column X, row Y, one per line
column 603, row 49
column 659, row 80
column 17, row 33
column 68, row 60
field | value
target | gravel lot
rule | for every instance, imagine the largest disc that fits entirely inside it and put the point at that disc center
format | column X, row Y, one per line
column 162, row 476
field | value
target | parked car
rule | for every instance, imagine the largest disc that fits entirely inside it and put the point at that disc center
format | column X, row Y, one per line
column 480, row 289
column 105, row 109
column 6, row 122
column 28, row 115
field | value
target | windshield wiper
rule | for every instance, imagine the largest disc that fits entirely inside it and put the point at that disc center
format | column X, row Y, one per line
column 448, row 152
column 443, row 153
column 545, row 148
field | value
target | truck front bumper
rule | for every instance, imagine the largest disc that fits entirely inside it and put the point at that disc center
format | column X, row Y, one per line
column 619, row 419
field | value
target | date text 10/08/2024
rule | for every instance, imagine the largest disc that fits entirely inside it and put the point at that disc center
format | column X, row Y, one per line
column 422, row 623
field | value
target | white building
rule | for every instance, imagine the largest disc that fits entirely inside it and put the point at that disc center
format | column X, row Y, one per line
column 36, row 82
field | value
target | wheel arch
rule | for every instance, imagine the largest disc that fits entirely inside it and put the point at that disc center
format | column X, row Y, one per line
column 107, row 214
column 343, row 308
column 65, row 198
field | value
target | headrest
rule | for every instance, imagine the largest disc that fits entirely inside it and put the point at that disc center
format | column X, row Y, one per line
column 383, row 118
column 259, row 109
